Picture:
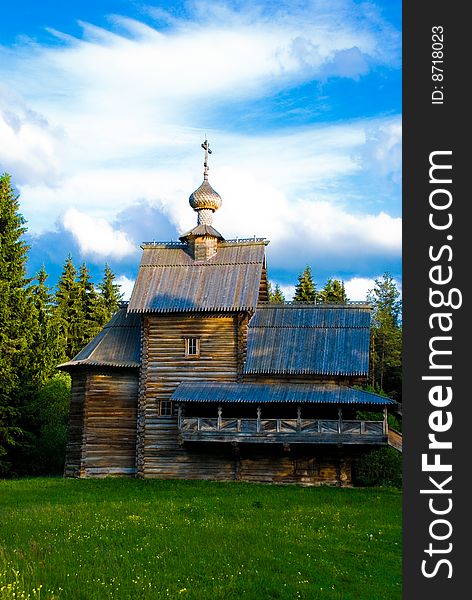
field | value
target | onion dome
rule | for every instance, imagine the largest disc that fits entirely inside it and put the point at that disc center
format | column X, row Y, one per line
column 205, row 197
column 205, row 200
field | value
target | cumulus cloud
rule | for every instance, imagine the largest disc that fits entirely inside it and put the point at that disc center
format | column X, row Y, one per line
column 96, row 237
column 358, row 287
column 30, row 147
column 126, row 286
column 294, row 190
column 287, row 290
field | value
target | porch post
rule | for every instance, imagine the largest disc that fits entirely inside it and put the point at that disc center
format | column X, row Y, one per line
column 340, row 419
column 385, row 423
column 220, row 411
column 179, row 415
column 258, row 425
column 299, row 419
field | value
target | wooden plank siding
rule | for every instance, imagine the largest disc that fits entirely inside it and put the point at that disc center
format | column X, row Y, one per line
column 102, row 426
column 110, row 424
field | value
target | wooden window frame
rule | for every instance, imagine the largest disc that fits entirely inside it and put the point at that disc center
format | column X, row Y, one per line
column 166, row 408
column 188, row 341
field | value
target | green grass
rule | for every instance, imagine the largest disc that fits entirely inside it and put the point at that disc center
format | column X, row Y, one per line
column 120, row 539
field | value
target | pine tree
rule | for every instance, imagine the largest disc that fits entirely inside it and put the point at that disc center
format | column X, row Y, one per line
column 110, row 294
column 333, row 292
column 15, row 315
column 305, row 290
column 276, row 296
column 386, row 338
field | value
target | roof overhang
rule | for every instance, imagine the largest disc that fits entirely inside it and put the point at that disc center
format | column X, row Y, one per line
column 263, row 393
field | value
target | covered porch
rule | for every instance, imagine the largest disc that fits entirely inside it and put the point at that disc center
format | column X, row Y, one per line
column 279, row 413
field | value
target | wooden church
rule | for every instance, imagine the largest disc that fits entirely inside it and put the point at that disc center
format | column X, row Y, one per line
column 200, row 377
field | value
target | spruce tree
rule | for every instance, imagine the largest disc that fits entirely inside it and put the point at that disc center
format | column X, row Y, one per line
column 46, row 354
column 386, row 338
column 68, row 309
column 110, row 294
column 92, row 315
column 46, row 332
column 333, row 292
column 276, row 296
column 15, row 315
column 305, row 290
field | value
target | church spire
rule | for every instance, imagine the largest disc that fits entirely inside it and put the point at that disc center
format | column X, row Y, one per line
column 205, row 200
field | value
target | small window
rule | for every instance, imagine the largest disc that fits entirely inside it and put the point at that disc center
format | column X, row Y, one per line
column 165, row 408
column 192, row 347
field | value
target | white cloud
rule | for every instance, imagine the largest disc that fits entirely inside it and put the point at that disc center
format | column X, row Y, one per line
column 96, row 237
column 294, row 190
column 107, row 88
column 29, row 146
column 287, row 290
column 126, row 113
column 383, row 149
column 357, row 287
column 126, row 286
column 227, row 53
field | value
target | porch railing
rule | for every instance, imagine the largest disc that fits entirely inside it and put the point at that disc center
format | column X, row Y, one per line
column 288, row 426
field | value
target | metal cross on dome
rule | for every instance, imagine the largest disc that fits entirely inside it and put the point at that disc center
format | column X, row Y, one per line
column 206, row 147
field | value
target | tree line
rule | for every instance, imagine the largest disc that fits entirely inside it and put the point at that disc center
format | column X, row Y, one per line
column 40, row 327
column 385, row 368
column 333, row 291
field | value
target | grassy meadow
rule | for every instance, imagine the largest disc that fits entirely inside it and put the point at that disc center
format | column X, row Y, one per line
column 134, row 539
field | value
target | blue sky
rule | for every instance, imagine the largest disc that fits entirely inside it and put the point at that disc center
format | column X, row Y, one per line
column 103, row 106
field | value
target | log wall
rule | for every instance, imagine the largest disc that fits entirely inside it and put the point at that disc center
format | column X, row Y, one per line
column 161, row 454
column 75, row 435
column 165, row 367
column 327, row 379
column 307, row 465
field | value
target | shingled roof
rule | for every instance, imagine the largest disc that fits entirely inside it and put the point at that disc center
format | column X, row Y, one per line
column 170, row 280
column 309, row 339
column 117, row 344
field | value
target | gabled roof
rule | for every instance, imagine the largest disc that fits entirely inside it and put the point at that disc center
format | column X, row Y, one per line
column 309, row 339
column 260, row 393
column 117, row 344
column 170, row 280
